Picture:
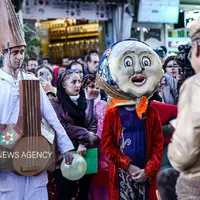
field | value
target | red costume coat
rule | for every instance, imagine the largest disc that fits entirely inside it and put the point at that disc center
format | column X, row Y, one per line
column 110, row 140
column 166, row 112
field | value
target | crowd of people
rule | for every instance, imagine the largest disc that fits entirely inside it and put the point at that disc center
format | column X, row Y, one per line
column 137, row 105
column 81, row 106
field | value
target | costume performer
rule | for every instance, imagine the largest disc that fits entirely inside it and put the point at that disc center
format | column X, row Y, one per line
column 12, row 46
column 132, row 137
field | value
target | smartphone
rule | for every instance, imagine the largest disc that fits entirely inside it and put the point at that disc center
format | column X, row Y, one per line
column 43, row 75
column 180, row 71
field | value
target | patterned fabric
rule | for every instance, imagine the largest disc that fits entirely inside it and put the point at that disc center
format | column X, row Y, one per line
column 7, row 137
column 130, row 190
column 133, row 144
column 105, row 81
column 133, row 138
column 104, row 71
column 100, row 111
column 89, row 79
column 154, row 148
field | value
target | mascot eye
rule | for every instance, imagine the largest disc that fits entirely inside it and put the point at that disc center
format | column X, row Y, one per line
column 146, row 61
column 128, row 62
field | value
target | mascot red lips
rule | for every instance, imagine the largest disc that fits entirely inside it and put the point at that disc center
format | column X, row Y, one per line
column 130, row 70
column 138, row 80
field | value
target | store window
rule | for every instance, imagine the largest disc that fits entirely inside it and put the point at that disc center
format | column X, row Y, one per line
column 69, row 28
column 68, row 37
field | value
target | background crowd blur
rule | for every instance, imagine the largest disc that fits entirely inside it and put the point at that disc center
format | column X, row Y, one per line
column 64, row 54
column 71, row 89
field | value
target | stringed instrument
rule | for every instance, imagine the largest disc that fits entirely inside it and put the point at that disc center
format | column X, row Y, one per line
column 33, row 152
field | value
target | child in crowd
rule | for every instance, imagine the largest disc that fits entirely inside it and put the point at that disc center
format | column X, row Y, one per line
column 166, row 181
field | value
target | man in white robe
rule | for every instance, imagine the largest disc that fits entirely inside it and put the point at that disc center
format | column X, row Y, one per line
column 12, row 46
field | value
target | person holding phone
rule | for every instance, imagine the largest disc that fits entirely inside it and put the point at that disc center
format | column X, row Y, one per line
column 45, row 74
column 180, row 77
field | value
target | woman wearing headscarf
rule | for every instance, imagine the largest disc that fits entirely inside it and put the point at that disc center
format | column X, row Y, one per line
column 99, row 184
column 78, row 117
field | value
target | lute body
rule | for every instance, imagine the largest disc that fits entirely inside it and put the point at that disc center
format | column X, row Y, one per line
column 31, row 146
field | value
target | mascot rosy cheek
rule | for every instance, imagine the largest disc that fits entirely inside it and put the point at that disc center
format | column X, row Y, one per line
column 129, row 72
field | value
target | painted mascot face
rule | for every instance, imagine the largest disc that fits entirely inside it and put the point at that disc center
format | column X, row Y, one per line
column 135, row 68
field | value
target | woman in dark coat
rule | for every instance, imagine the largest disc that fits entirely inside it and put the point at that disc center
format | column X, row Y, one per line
column 78, row 117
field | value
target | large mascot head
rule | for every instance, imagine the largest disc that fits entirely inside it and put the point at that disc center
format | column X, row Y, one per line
column 129, row 70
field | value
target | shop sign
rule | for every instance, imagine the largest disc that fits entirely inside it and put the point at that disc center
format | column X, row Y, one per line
column 158, row 11
column 53, row 9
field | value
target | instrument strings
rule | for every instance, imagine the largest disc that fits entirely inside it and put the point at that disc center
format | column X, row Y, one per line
column 30, row 120
column 36, row 85
column 33, row 119
column 26, row 105
column 30, row 104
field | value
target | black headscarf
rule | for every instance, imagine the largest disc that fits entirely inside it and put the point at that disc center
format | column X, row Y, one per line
column 76, row 112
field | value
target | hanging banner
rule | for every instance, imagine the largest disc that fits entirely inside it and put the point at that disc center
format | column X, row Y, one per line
column 54, row 9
